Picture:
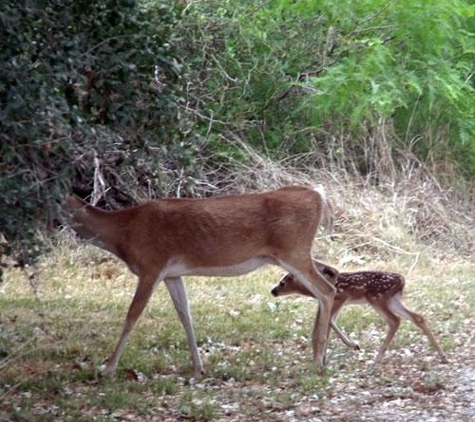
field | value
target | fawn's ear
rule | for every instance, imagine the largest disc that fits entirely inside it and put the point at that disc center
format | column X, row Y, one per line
column 330, row 272
column 326, row 270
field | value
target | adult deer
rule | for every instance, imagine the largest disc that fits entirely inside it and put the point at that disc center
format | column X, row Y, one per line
column 221, row 236
column 381, row 290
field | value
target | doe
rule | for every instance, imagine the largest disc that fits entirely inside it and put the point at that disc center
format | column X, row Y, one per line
column 381, row 290
column 220, row 236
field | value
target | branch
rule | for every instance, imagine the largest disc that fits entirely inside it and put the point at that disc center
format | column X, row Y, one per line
column 376, row 14
column 99, row 186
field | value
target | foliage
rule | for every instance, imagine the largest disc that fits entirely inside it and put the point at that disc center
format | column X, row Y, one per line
column 415, row 77
column 80, row 104
column 355, row 80
column 129, row 100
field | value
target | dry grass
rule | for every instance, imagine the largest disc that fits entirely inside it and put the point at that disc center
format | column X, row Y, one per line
column 399, row 214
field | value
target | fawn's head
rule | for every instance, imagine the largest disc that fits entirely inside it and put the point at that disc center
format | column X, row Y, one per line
column 289, row 283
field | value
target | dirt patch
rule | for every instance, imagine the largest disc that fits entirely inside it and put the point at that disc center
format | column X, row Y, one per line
column 449, row 396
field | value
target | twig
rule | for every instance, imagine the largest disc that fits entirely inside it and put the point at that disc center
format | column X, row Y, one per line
column 304, row 75
column 301, row 77
column 99, row 182
column 14, row 387
column 234, row 80
column 373, row 28
column 180, row 181
column 117, row 37
column 14, row 355
column 374, row 238
column 416, row 259
column 202, row 116
column 376, row 14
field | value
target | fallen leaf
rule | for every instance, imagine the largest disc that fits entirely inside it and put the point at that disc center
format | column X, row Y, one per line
column 131, row 375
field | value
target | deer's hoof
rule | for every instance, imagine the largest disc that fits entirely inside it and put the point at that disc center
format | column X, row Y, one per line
column 320, row 362
column 106, row 370
column 198, row 375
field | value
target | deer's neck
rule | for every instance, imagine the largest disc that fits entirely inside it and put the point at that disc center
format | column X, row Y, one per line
column 102, row 228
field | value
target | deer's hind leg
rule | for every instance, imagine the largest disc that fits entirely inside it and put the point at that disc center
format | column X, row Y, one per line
column 301, row 266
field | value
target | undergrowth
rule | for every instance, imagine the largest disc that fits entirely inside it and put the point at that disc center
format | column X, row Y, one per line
column 59, row 322
column 256, row 348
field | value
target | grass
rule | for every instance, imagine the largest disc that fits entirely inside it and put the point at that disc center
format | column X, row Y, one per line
column 256, row 348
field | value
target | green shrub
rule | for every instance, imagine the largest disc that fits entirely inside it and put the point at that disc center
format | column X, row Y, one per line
column 80, row 99
column 355, row 80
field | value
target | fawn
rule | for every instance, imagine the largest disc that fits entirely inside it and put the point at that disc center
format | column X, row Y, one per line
column 381, row 290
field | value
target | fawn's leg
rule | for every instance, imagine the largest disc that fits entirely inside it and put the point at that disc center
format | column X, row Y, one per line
column 337, row 306
column 392, row 320
column 398, row 307
column 176, row 287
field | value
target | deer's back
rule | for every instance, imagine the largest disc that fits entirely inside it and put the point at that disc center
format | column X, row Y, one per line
column 240, row 225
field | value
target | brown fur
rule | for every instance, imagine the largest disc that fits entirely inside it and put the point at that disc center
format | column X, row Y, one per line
column 381, row 290
column 222, row 236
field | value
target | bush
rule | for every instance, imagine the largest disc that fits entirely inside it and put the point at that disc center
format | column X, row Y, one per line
column 355, row 81
column 89, row 94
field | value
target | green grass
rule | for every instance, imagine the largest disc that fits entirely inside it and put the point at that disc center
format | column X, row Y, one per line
column 256, row 348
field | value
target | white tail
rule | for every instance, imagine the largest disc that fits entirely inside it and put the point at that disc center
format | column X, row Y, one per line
column 381, row 290
column 327, row 218
column 223, row 236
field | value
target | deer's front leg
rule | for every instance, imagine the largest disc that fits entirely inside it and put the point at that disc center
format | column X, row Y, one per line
column 321, row 329
column 317, row 286
column 176, row 287
column 142, row 296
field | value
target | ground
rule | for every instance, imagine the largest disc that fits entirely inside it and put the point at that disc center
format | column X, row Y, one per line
column 55, row 333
